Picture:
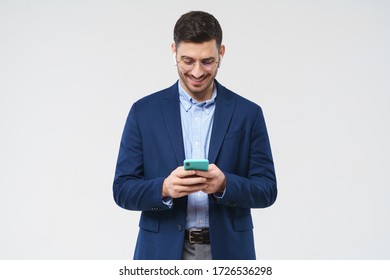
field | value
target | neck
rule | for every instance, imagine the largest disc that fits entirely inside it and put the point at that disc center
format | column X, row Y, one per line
column 200, row 96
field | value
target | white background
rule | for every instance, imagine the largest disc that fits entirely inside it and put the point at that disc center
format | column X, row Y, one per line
column 70, row 70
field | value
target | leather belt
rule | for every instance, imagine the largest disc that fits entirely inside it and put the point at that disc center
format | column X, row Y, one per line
column 198, row 236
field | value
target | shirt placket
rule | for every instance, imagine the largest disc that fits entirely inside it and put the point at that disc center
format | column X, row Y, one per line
column 198, row 153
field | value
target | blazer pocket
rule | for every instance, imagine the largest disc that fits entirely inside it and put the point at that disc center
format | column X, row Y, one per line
column 243, row 223
column 149, row 222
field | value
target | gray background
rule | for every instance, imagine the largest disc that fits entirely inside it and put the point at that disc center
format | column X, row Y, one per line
column 70, row 70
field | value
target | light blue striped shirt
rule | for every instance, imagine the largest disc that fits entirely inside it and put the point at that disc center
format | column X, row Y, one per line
column 197, row 121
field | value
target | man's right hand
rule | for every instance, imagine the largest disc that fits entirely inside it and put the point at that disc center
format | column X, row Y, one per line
column 182, row 182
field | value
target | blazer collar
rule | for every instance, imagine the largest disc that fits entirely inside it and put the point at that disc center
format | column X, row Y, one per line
column 170, row 106
column 224, row 109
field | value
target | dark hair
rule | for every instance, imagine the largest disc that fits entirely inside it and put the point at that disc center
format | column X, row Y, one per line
column 197, row 27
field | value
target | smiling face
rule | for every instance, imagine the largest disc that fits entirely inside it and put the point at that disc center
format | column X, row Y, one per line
column 197, row 67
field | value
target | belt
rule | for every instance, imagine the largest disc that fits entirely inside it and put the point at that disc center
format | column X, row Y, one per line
column 198, row 236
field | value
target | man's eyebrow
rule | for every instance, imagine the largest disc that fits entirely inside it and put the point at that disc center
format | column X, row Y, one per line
column 185, row 56
column 189, row 57
column 208, row 58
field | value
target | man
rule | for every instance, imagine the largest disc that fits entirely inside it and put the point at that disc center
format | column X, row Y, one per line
column 195, row 214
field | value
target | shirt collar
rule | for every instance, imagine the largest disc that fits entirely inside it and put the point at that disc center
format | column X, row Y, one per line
column 187, row 101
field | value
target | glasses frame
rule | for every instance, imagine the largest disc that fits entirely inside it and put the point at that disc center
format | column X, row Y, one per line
column 209, row 66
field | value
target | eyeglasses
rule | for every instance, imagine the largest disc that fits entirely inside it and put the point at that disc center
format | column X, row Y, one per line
column 187, row 63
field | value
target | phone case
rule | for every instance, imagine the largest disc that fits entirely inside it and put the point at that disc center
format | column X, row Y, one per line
column 196, row 164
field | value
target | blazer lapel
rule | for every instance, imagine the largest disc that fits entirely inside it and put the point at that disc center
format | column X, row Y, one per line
column 170, row 106
column 225, row 103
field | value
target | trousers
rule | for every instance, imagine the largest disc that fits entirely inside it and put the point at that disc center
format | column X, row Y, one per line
column 196, row 251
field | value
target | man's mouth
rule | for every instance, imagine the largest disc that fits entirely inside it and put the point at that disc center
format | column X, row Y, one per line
column 197, row 80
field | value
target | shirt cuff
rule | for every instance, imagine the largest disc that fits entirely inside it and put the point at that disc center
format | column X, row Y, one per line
column 219, row 195
column 168, row 201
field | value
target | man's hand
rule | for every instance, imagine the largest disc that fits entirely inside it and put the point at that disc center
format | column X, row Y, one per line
column 215, row 179
column 182, row 182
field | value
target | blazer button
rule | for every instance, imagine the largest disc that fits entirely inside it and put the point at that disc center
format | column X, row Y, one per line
column 180, row 227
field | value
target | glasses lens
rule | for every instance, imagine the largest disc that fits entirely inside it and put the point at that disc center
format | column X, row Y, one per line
column 188, row 64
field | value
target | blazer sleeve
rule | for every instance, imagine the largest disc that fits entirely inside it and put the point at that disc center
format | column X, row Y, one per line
column 130, row 189
column 257, row 189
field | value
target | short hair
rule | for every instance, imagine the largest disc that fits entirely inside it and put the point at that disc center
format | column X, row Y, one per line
column 197, row 27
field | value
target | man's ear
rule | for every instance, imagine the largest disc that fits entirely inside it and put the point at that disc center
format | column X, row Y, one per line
column 174, row 59
column 173, row 47
column 221, row 54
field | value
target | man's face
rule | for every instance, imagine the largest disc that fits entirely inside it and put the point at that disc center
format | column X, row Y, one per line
column 197, row 67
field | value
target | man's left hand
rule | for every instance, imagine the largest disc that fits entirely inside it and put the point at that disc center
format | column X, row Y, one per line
column 216, row 181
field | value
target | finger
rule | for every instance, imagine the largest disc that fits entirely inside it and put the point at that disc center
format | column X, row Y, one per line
column 209, row 190
column 204, row 174
column 212, row 167
column 190, row 181
column 181, row 173
column 184, row 190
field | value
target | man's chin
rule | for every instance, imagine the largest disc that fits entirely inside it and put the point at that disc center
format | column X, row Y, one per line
column 199, row 86
column 198, row 89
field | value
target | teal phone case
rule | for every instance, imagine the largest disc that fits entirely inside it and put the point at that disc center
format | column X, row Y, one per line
column 196, row 164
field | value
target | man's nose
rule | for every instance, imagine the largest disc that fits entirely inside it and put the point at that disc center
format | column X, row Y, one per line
column 197, row 71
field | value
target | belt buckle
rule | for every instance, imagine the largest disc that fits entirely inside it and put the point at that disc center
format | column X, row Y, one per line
column 190, row 238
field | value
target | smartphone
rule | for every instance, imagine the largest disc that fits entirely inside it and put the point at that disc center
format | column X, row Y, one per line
column 196, row 164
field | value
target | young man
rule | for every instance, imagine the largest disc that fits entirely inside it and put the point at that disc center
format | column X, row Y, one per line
column 189, row 214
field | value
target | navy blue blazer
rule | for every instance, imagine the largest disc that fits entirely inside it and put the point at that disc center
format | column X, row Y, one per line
column 152, row 147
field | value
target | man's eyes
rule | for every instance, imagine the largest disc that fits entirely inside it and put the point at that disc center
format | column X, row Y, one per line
column 188, row 61
column 208, row 61
column 204, row 62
